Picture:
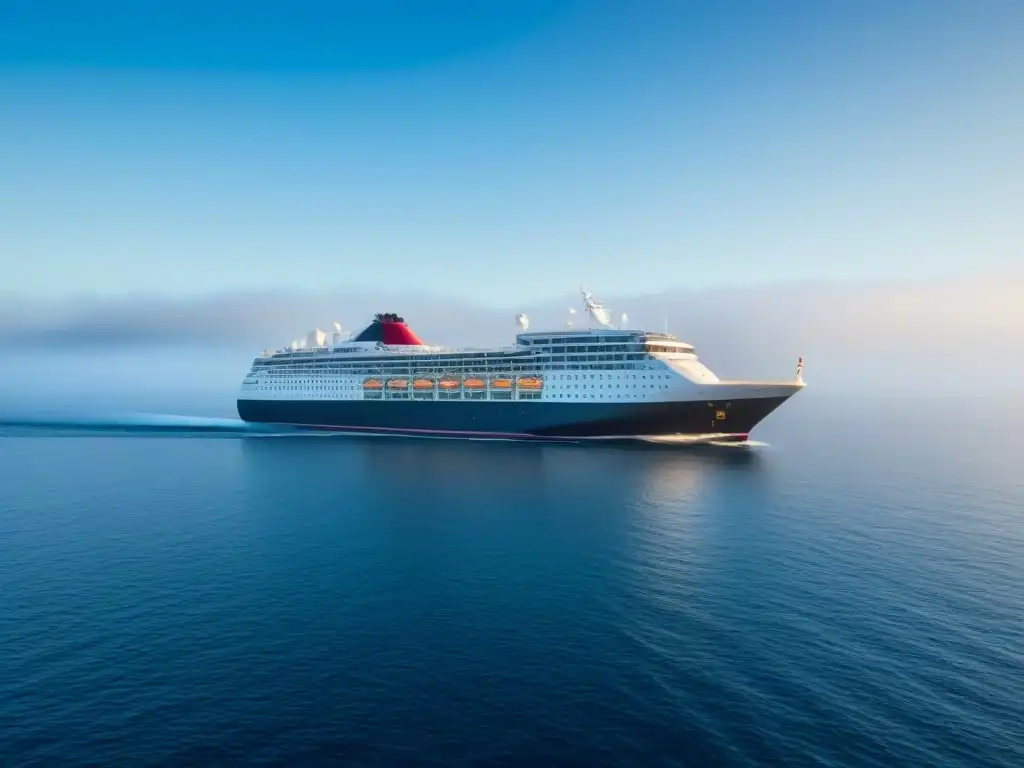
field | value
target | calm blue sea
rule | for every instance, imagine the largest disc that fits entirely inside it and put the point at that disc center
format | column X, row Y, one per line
column 183, row 592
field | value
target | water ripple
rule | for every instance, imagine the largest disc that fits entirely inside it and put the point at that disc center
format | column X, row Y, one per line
column 303, row 601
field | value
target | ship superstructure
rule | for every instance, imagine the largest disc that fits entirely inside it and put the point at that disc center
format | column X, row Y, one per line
column 569, row 384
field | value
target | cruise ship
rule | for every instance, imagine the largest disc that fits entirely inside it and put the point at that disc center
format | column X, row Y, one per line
column 604, row 382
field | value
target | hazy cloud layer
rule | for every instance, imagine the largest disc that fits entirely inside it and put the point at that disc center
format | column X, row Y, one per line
column 935, row 336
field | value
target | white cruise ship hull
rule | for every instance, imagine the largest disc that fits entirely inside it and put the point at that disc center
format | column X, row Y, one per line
column 574, row 385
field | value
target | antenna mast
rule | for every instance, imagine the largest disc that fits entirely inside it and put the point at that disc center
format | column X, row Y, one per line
column 596, row 309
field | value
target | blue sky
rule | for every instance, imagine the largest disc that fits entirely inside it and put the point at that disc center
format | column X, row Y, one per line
column 506, row 151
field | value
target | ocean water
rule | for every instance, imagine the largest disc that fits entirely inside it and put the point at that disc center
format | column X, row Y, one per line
column 184, row 591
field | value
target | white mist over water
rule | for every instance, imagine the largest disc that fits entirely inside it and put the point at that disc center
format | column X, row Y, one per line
column 186, row 379
column 955, row 339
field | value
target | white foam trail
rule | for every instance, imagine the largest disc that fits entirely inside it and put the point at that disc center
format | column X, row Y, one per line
column 139, row 423
column 195, row 422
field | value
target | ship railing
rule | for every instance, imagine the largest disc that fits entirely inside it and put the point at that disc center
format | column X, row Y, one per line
column 404, row 349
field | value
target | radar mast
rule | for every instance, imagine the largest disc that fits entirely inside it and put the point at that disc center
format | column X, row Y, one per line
column 596, row 309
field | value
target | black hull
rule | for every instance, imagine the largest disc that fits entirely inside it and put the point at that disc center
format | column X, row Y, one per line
column 519, row 420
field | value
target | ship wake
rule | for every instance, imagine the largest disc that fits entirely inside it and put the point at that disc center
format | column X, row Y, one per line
column 138, row 424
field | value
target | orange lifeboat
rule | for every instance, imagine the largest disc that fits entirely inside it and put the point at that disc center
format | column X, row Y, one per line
column 527, row 382
column 373, row 384
column 449, row 383
column 422, row 384
column 398, row 384
column 501, row 383
column 474, row 384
